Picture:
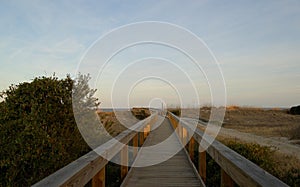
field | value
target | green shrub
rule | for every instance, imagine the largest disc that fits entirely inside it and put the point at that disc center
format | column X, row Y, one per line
column 38, row 130
column 213, row 173
column 260, row 155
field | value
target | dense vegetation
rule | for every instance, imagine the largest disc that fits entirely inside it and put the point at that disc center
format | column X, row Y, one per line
column 295, row 110
column 38, row 130
column 263, row 156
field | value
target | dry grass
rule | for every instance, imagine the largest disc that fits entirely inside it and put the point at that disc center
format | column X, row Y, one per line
column 283, row 161
column 285, row 167
column 114, row 125
column 269, row 123
column 111, row 124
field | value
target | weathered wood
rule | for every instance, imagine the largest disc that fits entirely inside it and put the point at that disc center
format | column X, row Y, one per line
column 124, row 161
column 202, row 165
column 184, row 136
column 241, row 170
column 146, row 131
column 135, row 145
column 141, row 138
column 176, row 171
column 191, row 148
column 177, row 129
column 179, row 132
column 174, row 123
column 226, row 180
column 99, row 179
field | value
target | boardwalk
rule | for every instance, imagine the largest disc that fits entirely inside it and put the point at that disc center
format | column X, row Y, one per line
column 177, row 171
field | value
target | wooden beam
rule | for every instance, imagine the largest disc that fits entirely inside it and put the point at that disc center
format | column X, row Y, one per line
column 202, row 165
column 175, row 124
column 226, row 180
column 179, row 130
column 99, row 179
column 148, row 129
column 145, row 132
column 141, row 142
column 135, row 145
column 184, row 136
column 191, row 148
column 124, row 161
column 181, row 133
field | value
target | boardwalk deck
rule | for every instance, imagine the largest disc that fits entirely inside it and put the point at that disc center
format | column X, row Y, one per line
column 176, row 171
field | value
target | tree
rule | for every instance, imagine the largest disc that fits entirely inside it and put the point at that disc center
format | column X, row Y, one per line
column 38, row 131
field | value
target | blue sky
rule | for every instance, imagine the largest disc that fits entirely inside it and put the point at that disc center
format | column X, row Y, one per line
column 257, row 43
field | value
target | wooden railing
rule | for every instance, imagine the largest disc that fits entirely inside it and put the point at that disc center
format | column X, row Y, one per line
column 234, row 167
column 92, row 166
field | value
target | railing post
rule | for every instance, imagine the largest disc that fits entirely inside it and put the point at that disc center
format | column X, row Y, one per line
column 179, row 132
column 174, row 123
column 135, row 145
column 226, row 180
column 141, row 142
column 99, row 179
column 124, row 161
column 145, row 132
column 184, row 136
column 182, row 128
column 202, row 164
column 191, row 148
column 148, row 129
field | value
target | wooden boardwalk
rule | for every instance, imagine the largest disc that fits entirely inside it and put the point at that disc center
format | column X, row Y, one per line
column 176, row 171
column 150, row 170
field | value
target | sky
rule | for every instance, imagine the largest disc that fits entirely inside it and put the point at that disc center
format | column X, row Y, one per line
column 256, row 44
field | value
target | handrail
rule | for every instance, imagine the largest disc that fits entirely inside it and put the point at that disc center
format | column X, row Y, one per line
column 91, row 165
column 233, row 166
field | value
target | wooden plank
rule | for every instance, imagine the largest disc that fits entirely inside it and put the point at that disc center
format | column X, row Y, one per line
column 135, row 145
column 202, row 165
column 141, row 138
column 176, row 171
column 179, row 132
column 184, row 136
column 99, row 179
column 191, row 148
column 124, row 161
column 145, row 132
column 226, row 180
column 148, row 129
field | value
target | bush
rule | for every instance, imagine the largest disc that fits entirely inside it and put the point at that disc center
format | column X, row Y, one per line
column 38, row 130
column 260, row 155
column 264, row 157
column 295, row 133
column 295, row 110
